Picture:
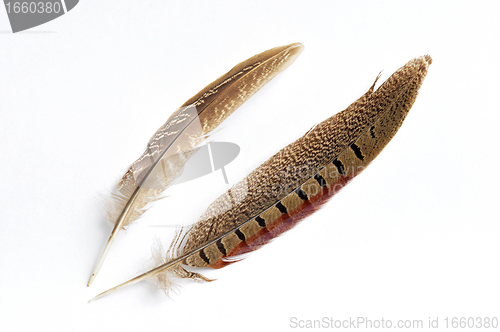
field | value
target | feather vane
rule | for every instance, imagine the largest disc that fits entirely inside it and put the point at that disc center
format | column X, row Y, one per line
column 172, row 144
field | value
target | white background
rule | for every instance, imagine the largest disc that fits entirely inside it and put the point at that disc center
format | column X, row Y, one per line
column 415, row 236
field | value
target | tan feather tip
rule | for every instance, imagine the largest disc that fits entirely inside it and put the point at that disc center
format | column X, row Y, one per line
column 296, row 48
column 299, row 46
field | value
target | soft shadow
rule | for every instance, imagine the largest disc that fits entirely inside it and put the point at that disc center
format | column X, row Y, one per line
column 25, row 32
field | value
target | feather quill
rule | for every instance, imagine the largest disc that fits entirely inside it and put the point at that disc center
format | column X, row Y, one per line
column 295, row 182
column 187, row 127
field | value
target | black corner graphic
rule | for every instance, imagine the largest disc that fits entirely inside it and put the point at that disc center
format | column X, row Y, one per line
column 26, row 14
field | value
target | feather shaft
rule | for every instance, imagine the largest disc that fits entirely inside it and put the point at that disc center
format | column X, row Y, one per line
column 154, row 271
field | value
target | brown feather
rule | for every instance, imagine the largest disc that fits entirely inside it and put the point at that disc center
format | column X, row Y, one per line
column 297, row 180
column 320, row 151
column 172, row 145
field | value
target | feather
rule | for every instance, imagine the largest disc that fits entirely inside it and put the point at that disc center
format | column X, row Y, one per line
column 295, row 182
column 187, row 127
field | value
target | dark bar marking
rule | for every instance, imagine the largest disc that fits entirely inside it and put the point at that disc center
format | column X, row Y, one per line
column 204, row 257
column 281, row 207
column 221, row 247
column 260, row 221
column 372, row 131
column 302, row 194
column 240, row 235
column 339, row 165
column 320, row 180
column 357, row 151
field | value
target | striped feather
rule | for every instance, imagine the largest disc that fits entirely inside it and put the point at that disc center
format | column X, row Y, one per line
column 296, row 181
